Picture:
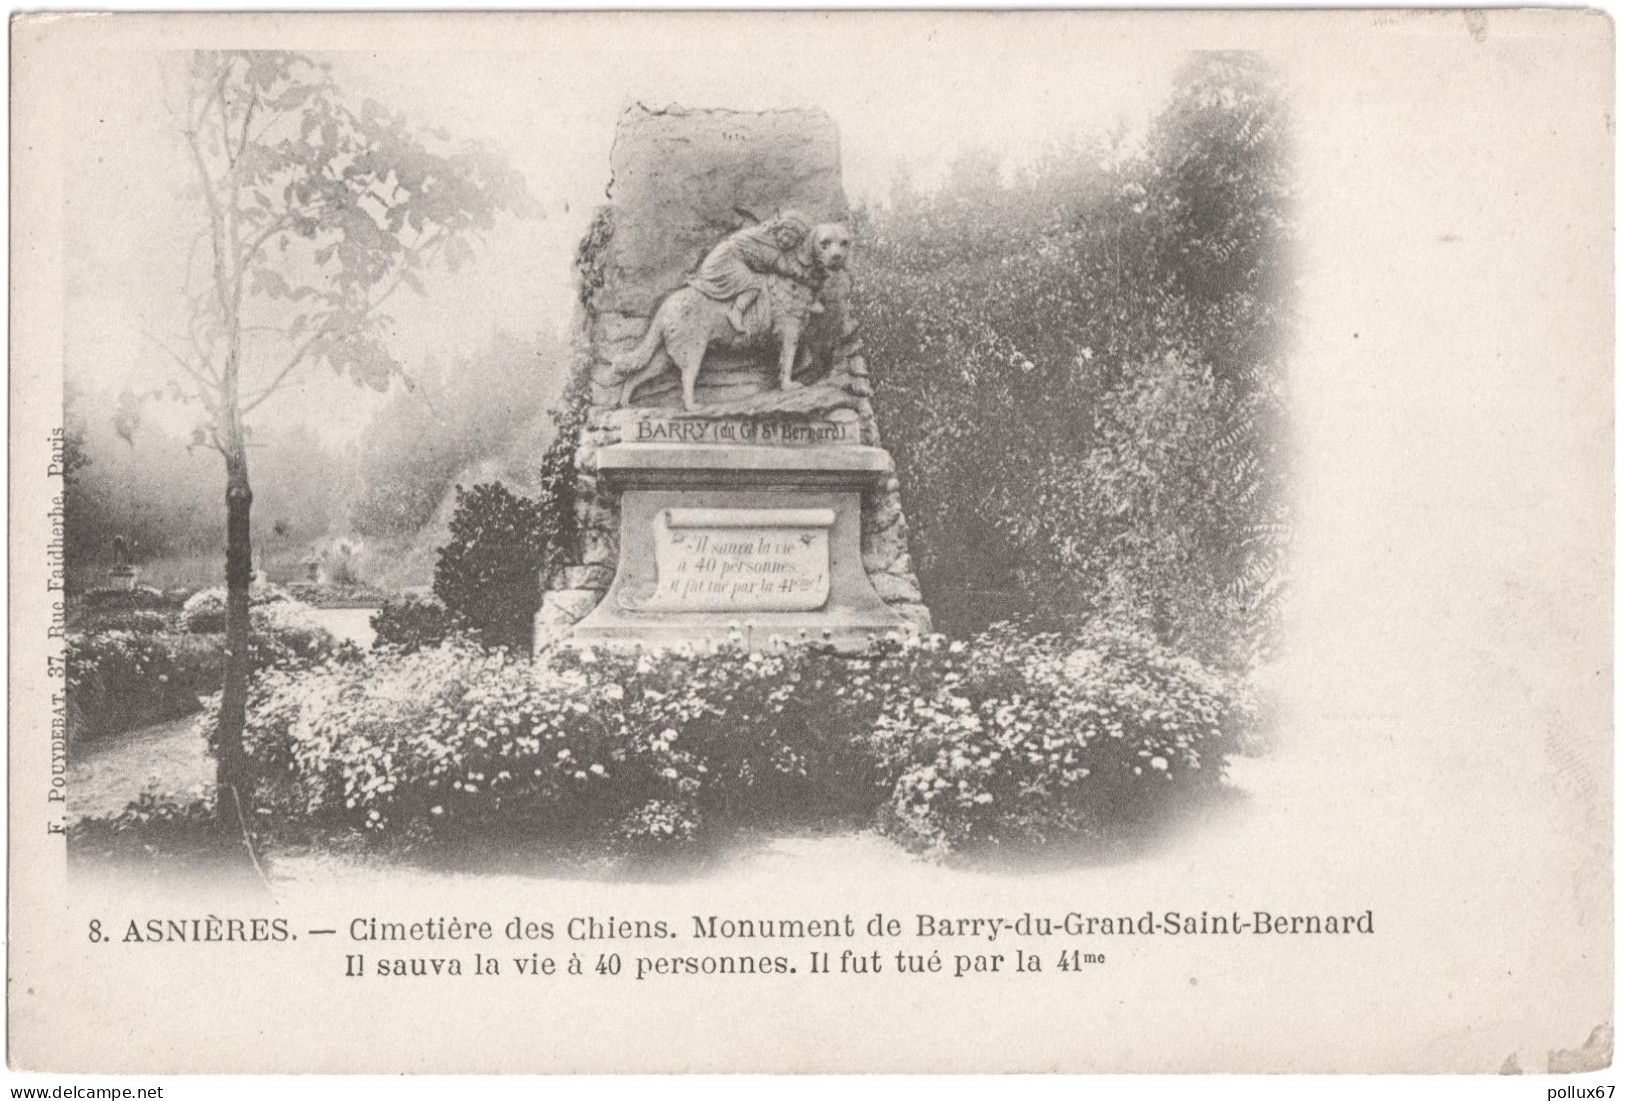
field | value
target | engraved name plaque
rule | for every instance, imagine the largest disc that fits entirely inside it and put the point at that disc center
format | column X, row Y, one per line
column 736, row 430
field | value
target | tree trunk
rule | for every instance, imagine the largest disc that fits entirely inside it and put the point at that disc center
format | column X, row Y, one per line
column 229, row 760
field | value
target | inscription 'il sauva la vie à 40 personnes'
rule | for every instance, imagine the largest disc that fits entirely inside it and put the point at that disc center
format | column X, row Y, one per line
column 741, row 559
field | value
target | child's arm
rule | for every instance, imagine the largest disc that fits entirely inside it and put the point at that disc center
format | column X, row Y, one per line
column 786, row 264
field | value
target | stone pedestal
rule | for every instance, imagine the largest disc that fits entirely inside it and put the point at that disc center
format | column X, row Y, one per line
column 740, row 541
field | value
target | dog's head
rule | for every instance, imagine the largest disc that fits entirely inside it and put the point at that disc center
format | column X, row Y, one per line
column 829, row 246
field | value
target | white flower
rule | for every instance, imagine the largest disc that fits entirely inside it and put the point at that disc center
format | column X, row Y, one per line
column 596, row 770
column 1160, row 764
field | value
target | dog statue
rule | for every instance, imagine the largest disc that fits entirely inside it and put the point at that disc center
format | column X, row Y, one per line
column 689, row 322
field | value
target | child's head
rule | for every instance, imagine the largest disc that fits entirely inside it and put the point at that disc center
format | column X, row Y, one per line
column 790, row 229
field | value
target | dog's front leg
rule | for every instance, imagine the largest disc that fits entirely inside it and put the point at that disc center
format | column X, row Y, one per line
column 789, row 344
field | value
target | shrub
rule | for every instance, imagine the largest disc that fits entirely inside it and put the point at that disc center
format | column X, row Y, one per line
column 1031, row 740
column 785, row 735
column 413, row 624
column 287, row 634
column 949, row 747
column 140, row 599
column 489, row 574
column 123, row 680
column 459, row 739
column 490, row 571
column 205, row 612
column 135, row 622
column 163, row 833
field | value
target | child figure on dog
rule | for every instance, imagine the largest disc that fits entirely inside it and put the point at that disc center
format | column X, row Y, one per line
column 732, row 271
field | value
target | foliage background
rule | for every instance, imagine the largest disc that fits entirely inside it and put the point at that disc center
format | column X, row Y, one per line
column 1081, row 369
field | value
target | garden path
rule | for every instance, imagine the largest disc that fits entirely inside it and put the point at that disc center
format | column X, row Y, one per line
column 106, row 776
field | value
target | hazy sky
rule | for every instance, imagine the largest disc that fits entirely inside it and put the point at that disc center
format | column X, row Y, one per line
column 909, row 94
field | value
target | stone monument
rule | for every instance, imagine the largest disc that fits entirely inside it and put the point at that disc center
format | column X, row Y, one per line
column 730, row 478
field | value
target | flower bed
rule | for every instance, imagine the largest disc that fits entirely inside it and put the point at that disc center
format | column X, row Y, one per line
column 1030, row 740
column 946, row 746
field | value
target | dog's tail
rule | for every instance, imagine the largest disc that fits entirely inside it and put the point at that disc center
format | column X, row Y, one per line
column 638, row 358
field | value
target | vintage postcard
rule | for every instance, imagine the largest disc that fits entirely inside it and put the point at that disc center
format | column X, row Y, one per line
column 803, row 542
